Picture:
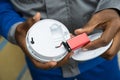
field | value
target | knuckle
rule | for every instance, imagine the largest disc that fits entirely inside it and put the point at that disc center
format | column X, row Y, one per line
column 20, row 28
column 37, row 66
column 87, row 27
column 30, row 22
column 97, row 17
column 104, row 41
column 116, row 23
column 109, row 56
column 90, row 30
column 59, row 63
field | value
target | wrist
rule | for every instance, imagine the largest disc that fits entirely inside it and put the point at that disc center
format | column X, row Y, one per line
column 11, row 34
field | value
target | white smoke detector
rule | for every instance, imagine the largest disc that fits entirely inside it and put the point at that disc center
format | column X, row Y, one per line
column 44, row 37
column 44, row 42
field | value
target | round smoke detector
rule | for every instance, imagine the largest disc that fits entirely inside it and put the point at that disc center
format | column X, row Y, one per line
column 43, row 39
column 44, row 42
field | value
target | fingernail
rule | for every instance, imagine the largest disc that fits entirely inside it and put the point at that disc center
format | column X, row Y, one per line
column 53, row 63
column 77, row 31
column 34, row 18
column 84, row 49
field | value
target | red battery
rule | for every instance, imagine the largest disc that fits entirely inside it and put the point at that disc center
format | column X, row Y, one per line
column 78, row 41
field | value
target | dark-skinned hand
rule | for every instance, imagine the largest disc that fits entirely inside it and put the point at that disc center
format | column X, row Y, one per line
column 108, row 21
column 20, row 36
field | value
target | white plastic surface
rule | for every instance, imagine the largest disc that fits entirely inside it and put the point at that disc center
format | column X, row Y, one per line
column 44, row 38
column 46, row 35
column 81, row 55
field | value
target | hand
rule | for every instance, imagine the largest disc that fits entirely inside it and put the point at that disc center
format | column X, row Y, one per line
column 68, row 56
column 109, row 21
column 20, row 36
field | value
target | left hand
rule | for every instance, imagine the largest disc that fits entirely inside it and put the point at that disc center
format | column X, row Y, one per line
column 109, row 21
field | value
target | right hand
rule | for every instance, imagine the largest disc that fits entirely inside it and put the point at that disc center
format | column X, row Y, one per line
column 20, row 36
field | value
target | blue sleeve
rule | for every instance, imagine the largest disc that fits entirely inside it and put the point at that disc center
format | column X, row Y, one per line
column 8, row 17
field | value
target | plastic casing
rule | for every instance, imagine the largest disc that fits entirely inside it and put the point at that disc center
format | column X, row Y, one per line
column 43, row 38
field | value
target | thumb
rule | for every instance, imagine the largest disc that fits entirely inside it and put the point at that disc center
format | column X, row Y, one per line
column 31, row 21
column 86, row 29
column 37, row 16
column 90, row 26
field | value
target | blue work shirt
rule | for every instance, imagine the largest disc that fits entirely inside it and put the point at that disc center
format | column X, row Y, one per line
column 107, row 70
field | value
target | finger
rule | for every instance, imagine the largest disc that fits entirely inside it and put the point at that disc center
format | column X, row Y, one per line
column 37, row 16
column 71, row 35
column 65, row 59
column 113, row 50
column 36, row 63
column 85, row 29
column 105, row 38
column 31, row 21
column 93, row 23
column 46, row 65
